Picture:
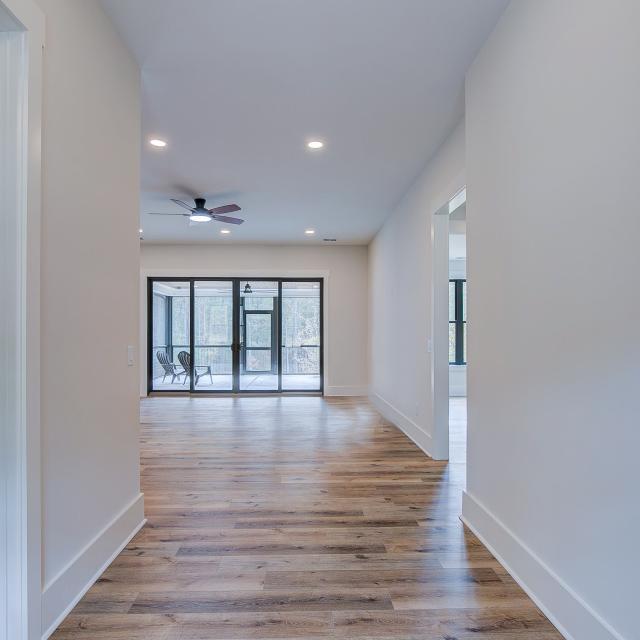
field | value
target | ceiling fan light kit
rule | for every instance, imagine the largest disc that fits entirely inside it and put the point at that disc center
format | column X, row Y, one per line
column 200, row 217
column 200, row 213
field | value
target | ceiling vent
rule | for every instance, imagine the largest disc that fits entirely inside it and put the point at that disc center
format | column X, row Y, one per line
column 329, row 240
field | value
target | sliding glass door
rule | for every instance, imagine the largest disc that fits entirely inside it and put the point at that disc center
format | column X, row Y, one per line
column 232, row 335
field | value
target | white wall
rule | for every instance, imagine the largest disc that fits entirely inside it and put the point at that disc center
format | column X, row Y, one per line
column 345, row 272
column 400, row 295
column 457, row 380
column 458, row 269
column 90, row 265
column 552, row 214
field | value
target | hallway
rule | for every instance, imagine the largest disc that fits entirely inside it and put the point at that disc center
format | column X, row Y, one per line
column 297, row 517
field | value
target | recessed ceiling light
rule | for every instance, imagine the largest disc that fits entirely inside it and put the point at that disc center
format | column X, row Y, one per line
column 140, row 230
column 156, row 142
column 315, row 144
column 309, row 232
column 225, row 231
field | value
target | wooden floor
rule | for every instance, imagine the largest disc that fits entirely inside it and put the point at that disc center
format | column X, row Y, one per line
column 286, row 517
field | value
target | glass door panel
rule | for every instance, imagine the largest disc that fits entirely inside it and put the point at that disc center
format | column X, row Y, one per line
column 301, row 336
column 213, row 335
column 258, row 335
column 170, row 332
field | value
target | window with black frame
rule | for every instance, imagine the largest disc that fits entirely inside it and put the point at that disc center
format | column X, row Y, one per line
column 234, row 335
column 170, row 335
column 457, row 321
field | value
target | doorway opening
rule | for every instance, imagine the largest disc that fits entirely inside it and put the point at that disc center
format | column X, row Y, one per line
column 233, row 335
column 458, row 333
column 449, row 329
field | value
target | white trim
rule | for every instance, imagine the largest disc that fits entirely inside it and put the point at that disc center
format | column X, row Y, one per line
column 353, row 390
column 208, row 272
column 13, row 68
column 24, row 451
column 420, row 437
column 231, row 273
column 440, row 332
column 567, row 611
column 62, row 593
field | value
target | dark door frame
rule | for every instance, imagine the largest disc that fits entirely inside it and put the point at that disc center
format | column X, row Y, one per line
column 235, row 347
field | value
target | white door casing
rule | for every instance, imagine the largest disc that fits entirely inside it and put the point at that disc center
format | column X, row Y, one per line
column 21, row 43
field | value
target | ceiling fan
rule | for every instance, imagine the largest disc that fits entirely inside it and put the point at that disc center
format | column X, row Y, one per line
column 200, row 213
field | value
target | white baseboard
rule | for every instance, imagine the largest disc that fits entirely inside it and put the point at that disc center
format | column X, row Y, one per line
column 566, row 610
column 356, row 390
column 63, row 592
column 403, row 422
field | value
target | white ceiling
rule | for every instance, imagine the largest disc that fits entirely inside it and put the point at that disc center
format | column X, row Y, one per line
column 237, row 87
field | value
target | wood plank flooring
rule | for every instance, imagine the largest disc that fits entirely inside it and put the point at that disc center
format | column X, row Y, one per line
column 296, row 518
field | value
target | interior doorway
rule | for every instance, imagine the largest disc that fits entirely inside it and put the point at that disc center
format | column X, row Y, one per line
column 458, row 333
column 448, row 344
column 233, row 335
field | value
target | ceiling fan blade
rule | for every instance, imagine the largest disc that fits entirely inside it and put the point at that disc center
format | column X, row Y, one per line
column 155, row 213
column 228, row 219
column 182, row 204
column 226, row 208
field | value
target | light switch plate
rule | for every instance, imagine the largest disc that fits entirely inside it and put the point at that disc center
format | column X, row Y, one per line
column 131, row 355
